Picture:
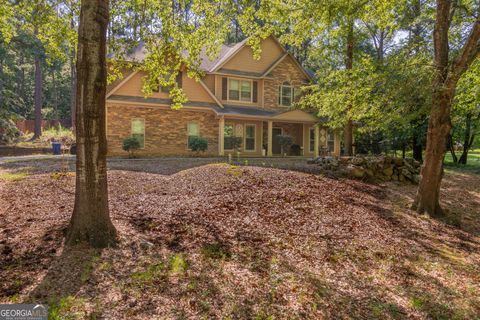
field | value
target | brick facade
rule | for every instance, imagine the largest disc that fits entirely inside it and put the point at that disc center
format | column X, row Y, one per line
column 286, row 70
column 165, row 129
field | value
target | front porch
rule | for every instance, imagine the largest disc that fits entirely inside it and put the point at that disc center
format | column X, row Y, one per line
column 263, row 138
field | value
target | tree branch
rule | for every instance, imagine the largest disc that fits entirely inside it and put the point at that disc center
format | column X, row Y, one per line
column 468, row 54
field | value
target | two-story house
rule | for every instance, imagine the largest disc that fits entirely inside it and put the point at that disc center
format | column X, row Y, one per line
column 238, row 96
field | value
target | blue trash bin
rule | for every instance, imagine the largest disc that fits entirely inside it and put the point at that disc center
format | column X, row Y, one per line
column 56, row 148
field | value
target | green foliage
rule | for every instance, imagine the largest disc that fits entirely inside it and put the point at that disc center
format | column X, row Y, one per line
column 234, row 142
column 198, row 144
column 58, row 134
column 131, row 144
column 8, row 129
column 173, row 36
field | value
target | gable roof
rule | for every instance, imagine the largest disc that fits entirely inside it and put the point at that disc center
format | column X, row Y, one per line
column 227, row 52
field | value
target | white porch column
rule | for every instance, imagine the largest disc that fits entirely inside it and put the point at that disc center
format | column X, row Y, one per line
column 336, row 143
column 317, row 136
column 270, row 138
column 221, row 132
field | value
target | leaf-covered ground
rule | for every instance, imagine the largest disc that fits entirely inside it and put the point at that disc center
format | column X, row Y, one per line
column 214, row 241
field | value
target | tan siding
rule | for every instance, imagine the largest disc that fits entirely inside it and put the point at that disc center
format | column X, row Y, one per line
column 244, row 61
column 193, row 89
column 125, row 73
column 209, row 81
column 165, row 129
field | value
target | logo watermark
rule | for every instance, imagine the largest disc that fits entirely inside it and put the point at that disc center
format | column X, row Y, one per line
column 23, row 312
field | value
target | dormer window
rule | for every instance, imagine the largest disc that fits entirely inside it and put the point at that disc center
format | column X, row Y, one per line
column 286, row 94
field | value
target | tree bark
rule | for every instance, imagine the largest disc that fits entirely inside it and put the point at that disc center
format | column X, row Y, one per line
column 1, row 82
column 348, row 133
column 468, row 139
column 73, row 82
column 55, row 94
column 451, row 147
column 38, row 97
column 444, row 84
column 90, row 222
column 417, row 147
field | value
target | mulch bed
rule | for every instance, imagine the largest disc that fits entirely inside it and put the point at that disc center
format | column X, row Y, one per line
column 222, row 241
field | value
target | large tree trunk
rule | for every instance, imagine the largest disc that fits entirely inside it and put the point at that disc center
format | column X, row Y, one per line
column 348, row 133
column 427, row 199
column 468, row 139
column 1, row 82
column 428, row 193
column 90, row 221
column 444, row 83
column 38, row 97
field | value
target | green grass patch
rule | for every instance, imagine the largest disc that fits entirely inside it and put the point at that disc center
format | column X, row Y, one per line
column 14, row 176
column 215, row 251
column 473, row 162
column 69, row 307
column 178, row 264
column 381, row 310
column 154, row 274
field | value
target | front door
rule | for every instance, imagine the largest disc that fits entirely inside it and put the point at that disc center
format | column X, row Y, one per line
column 276, row 147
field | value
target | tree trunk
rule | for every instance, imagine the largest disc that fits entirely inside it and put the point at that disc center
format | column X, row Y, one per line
column 349, row 65
column 55, row 94
column 444, row 84
column 451, row 147
column 417, row 147
column 73, row 82
column 428, row 193
column 468, row 140
column 38, row 97
column 1, row 82
column 90, row 220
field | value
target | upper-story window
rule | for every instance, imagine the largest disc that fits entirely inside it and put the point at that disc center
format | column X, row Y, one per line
column 240, row 90
column 286, row 94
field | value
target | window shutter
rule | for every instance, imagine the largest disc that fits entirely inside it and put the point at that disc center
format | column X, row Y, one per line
column 279, row 95
column 179, row 79
column 224, row 89
column 255, row 91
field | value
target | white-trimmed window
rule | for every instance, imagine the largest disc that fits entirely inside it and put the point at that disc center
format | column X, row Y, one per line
column 250, row 137
column 138, row 130
column 240, row 90
column 228, row 135
column 193, row 130
column 311, row 138
column 286, row 94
